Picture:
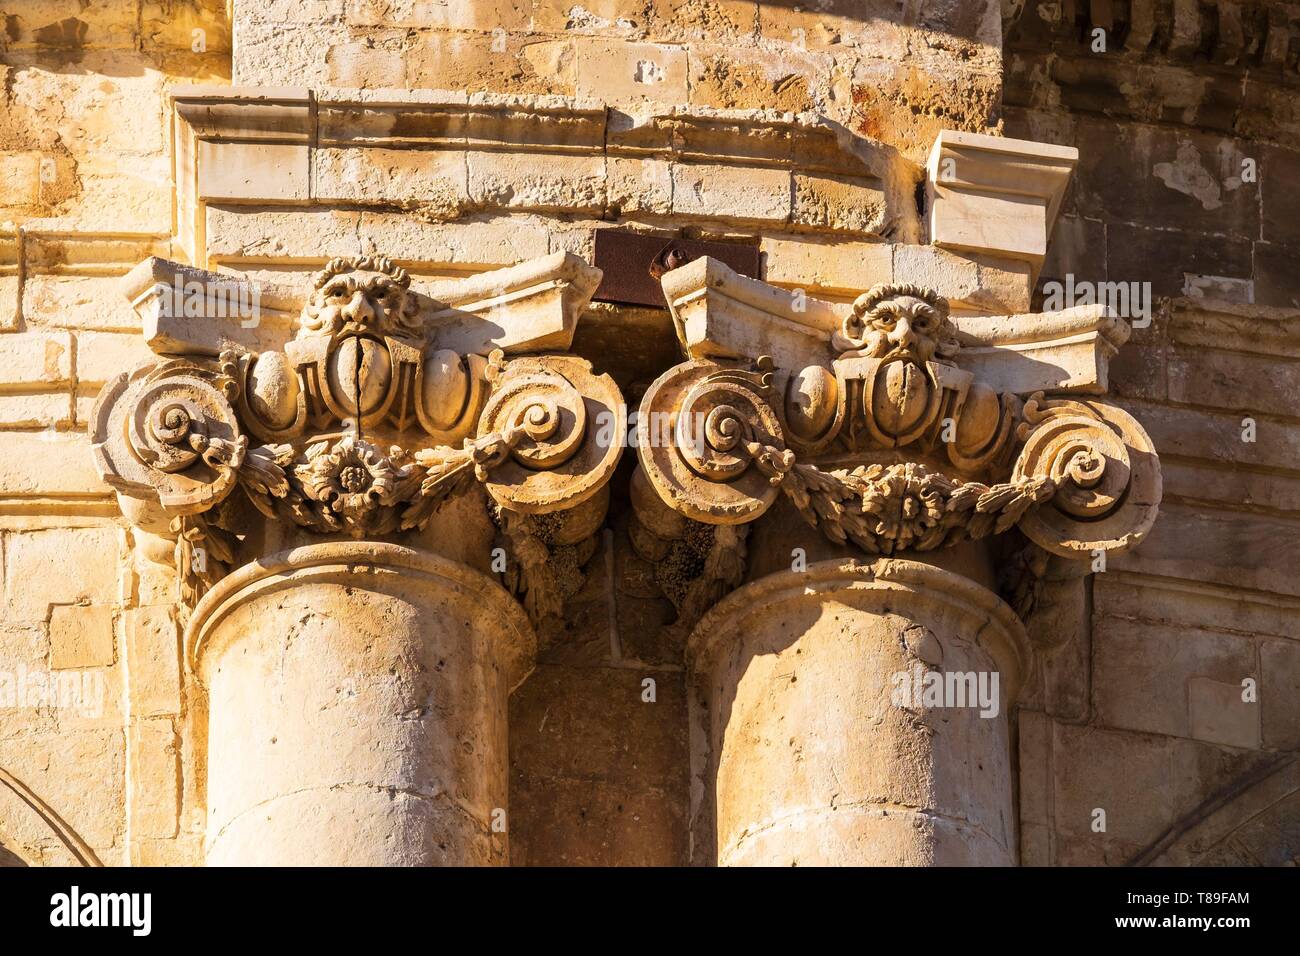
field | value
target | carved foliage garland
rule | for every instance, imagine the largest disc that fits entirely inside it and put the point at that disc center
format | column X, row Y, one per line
column 547, row 554
column 885, row 509
column 347, row 485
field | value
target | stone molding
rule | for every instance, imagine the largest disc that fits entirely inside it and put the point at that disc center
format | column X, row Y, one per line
column 1005, row 638
column 29, row 820
column 262, row 145
column 516, row 643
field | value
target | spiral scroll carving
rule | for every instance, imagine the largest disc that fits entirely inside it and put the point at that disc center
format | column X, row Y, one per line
column 1105, row 470
column 702, row 436
column 571, row 425
column 170, row 432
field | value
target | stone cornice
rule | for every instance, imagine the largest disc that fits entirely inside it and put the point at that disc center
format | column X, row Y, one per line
column 531, row 306
column 806, row 142
column 1236, row 37
column 256, row 146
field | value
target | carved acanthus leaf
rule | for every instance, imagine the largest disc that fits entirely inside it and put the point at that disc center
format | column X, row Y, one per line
column 545, row 557
column 205, row 552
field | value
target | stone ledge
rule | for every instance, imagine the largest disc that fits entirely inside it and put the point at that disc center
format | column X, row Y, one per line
column 995, row 195
column 236, row 145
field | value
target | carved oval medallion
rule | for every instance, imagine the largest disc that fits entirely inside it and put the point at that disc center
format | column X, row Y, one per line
column 273, row 390
column 901, row 397
column 811, row 399
column 359, row 374
column 446, row 388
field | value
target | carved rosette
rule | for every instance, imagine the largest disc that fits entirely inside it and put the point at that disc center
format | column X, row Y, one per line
column 362, row 426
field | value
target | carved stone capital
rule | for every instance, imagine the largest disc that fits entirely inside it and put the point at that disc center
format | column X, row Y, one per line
column 380, row 405
column 877, row 430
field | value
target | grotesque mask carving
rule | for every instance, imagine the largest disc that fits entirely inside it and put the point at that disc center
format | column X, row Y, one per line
column 358, row 297
column 898, row 322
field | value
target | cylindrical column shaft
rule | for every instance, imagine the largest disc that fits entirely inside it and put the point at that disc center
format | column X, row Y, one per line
column 356, row 704
column 857, row 714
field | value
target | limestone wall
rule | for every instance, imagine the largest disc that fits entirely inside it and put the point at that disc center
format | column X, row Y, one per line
column 1144, row 716
column 85, row 190
column 896, row 78
column 1135, row 707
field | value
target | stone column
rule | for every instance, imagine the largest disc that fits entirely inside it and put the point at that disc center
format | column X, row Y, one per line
column 356, row 690
column 856, row 710
column 357, row 698
column 813, row 758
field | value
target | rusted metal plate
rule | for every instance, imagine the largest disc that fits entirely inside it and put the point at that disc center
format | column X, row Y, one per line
column 633, row 262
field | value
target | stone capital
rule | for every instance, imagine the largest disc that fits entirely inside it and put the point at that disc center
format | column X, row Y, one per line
column 892, row 424
column 356, row 406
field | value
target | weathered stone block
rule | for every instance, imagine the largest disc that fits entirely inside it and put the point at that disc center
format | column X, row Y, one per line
column 537, row 181
column 36, row 411
column 81, row 636
column 639, row 185
column 35, row 358
column 1128, row 776
column 1168, row 680
column 77, row 302
column 253, row 172
column 102, row 356
column 838, row 202
column 316, row 235
column 1219, row 713
column 60, row 566
column 155, row 777
column 153, row 659
column 48, row 463
column 813, row 264
column 20, row 178
column 727, row 192
column 628, row 73
column 1279, row 693
column 436, row 179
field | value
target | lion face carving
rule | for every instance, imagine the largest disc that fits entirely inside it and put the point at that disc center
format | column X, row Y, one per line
column 903, row 322
column 363, row 296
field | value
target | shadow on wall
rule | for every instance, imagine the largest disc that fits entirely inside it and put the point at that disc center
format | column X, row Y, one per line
column 8, row 858
column 118, row 39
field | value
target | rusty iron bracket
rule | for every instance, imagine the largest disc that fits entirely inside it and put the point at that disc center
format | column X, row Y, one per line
column 634, row 262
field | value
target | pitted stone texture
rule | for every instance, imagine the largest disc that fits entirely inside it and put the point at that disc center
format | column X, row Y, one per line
column 357, row 709
column 809, row 760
